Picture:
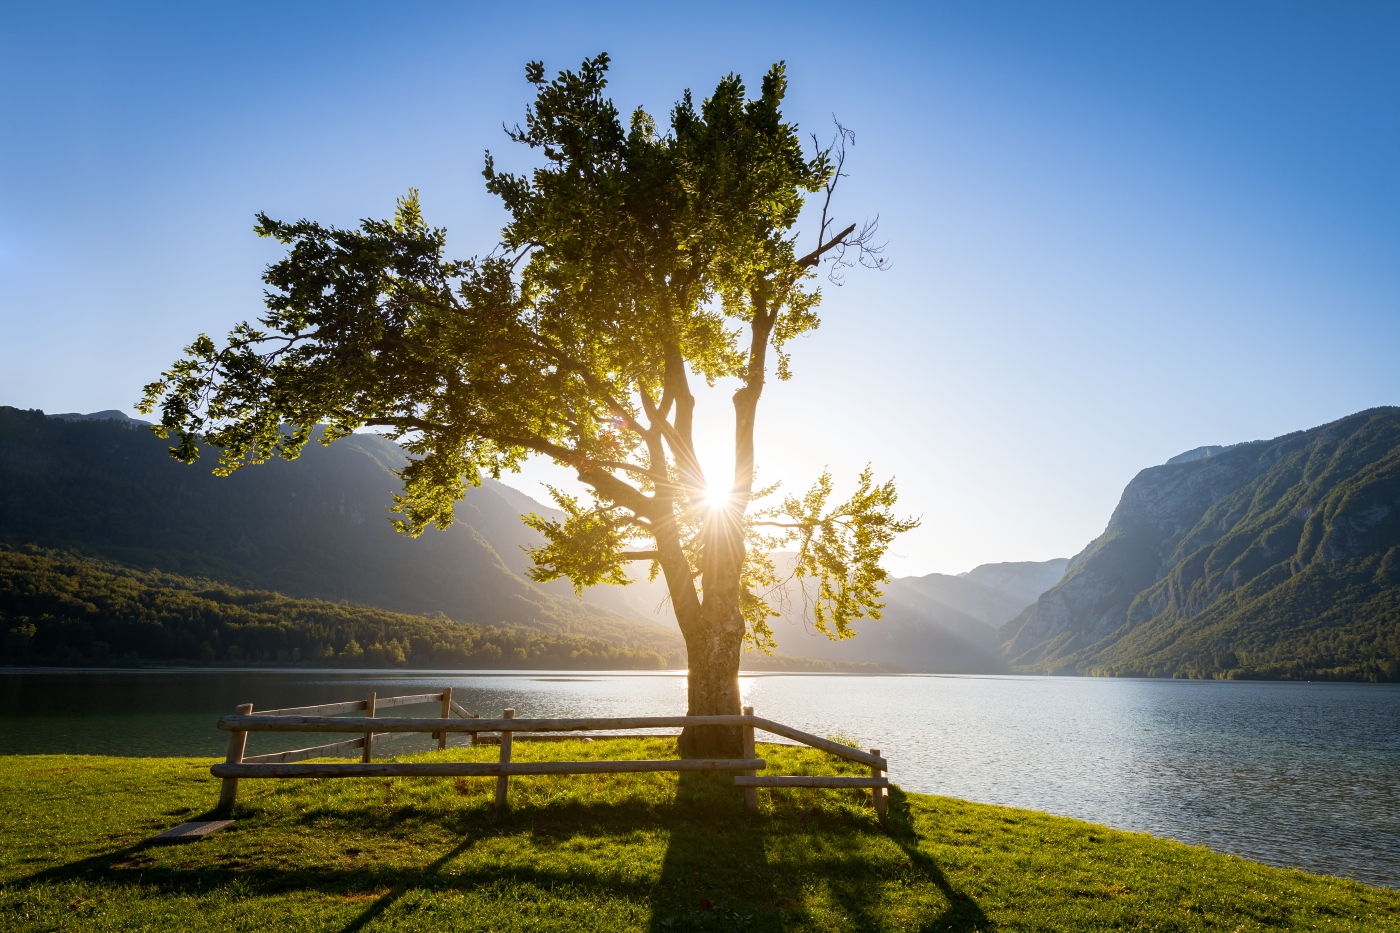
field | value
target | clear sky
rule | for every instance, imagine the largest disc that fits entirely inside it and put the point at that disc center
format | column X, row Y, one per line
column 1118, row 231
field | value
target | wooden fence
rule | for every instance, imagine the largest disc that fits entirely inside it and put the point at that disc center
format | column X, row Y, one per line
column 327, row 718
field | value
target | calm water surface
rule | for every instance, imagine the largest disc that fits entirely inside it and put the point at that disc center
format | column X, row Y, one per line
column 1289, row 774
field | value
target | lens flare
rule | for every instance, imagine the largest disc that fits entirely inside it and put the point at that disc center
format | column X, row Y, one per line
column 716, row 498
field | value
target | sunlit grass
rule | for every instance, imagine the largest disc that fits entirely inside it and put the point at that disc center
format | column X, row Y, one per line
column 604, row 852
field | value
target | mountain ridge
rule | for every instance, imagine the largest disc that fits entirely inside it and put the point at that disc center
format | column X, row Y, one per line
column 1274, row 558
column 316, row 528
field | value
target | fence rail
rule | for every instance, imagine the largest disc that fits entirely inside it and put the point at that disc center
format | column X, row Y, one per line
column 325, row 719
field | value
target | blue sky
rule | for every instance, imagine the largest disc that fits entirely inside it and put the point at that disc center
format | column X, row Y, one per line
column 1117, row 232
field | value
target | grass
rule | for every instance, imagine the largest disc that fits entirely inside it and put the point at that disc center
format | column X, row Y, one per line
column 584, row 853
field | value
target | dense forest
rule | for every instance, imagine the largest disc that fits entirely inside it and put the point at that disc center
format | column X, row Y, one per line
column 62, row 608
column 1326, row 622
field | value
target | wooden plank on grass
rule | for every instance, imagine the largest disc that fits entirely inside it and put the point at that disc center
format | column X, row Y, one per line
column 482, row 768
column 192, row 832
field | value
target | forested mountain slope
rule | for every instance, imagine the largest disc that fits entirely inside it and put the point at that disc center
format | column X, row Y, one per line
column 1275, row 558
column 102, row 486
column 316, row 527
column 62, row 608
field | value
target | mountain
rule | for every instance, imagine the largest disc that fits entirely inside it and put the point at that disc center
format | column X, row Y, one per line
column 937, row 624
column 103, row 486
column 991, row 593
column 1276, row 558
column 314, row 528
column 63, row 608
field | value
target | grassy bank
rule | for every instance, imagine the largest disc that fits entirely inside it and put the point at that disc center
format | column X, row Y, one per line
column 638, row 852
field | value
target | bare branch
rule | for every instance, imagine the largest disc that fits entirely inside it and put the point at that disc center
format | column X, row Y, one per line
column 867, row 252
column 814, row 257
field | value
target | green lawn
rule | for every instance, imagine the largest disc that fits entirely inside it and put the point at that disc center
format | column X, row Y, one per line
column 642, row 852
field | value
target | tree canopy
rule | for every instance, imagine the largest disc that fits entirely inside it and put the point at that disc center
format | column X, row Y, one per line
column 635, row 262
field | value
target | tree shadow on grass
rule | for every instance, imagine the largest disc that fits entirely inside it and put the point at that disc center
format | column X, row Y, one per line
column 715, row 874
column 425, row 877
column 800, row 865
column 962, row 913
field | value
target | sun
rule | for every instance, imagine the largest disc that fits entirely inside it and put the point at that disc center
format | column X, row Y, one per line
column 716, row 498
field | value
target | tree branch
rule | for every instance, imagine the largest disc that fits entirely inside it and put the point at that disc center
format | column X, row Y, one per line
column 814, row 257
column 407, row 421
column 573, row 365
column 589, row 471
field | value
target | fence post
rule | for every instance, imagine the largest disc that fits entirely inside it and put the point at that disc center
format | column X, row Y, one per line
column 237, row 741
column 503, row 782
column 475, row 734
column 880, row 795
column 369, row 735
column 446, row 714
column 750, row 793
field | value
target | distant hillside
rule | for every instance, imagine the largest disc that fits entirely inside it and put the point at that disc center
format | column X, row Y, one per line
column 102, row 485
column 937, row 624
column 58, row 608
column 993, row 594
column 1275, row 559
column 316, row 527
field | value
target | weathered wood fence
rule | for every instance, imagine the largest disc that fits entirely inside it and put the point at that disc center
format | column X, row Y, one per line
column 327, row 718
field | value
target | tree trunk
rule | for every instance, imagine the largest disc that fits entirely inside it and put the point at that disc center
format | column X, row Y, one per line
column 713, row 645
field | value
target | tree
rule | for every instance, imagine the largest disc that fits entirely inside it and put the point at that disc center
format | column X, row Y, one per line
column 634, row 261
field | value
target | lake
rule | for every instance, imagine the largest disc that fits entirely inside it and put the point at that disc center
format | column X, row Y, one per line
column 1288, row 774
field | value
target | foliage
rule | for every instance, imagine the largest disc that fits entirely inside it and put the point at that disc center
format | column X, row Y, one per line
column 837, row 547
column 615, row 852
column 59, row 608
column 633, row 261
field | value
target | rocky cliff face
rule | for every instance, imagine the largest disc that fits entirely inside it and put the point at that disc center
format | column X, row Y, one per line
column 1221, row 541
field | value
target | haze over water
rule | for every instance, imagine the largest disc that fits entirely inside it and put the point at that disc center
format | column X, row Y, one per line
column 1288, row 774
